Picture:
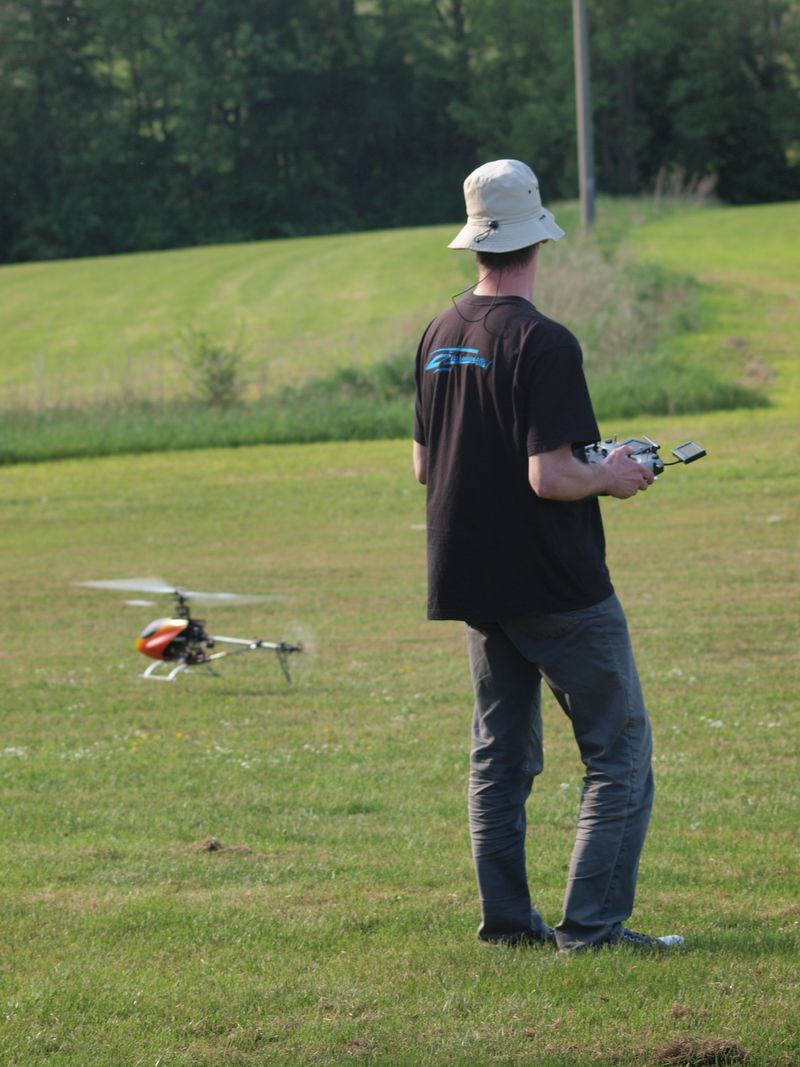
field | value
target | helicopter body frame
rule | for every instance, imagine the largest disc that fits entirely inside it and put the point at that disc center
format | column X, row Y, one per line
column 200, row 665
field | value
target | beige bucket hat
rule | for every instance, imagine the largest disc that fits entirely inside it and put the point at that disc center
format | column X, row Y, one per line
column 504, row 209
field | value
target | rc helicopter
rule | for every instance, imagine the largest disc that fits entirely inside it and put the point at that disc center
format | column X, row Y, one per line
column 180, row 643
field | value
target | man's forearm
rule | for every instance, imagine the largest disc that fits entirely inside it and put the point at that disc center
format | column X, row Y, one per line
column 568, row 480
column 420, row 460
column 559, row 475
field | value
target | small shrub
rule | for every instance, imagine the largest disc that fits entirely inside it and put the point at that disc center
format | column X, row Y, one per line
column 214, row 369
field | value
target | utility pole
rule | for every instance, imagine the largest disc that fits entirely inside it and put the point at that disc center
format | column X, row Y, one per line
column 583, row 103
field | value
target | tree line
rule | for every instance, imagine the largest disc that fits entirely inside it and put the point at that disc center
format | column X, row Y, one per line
column 145, row 124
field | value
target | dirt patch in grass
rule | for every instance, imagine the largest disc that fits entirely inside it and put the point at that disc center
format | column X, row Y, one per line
column 78, row 899
column 213, row 844
column 700, row 1052
column 97, row 852
column 786, row 912
column 685, row 1011
column 756, row 373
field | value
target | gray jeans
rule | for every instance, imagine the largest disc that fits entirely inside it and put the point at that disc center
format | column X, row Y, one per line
column 585, row 657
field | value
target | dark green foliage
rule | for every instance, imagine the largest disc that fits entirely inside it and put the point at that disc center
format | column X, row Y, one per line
column 710, row 88
column 138, row 125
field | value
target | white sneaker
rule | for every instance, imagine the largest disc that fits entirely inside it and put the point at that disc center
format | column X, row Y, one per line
column 671, row 941
column 631, row 937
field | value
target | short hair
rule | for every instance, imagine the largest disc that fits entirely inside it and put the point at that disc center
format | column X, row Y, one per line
column 518, row 257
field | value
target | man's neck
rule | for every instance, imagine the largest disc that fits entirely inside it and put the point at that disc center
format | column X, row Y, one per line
column 507, row 282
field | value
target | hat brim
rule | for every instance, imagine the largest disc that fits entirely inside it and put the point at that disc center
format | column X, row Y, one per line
column 508, row 236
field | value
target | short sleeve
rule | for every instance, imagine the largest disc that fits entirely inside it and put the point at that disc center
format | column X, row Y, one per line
column 419, row 417
column 559, row 408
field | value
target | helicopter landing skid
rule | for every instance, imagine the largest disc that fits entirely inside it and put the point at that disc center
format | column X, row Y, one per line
column 193, row 668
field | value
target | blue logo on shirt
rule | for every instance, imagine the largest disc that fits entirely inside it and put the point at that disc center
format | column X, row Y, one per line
column 444, row 359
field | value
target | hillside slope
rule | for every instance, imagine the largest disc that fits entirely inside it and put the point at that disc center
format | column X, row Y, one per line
column 87, row 329
column 748, row 262
column 108, row 329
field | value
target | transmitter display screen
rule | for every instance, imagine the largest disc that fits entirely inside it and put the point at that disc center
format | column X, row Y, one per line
column 688, row 452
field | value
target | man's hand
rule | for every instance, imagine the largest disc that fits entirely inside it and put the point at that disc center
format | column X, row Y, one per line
column 626, row 477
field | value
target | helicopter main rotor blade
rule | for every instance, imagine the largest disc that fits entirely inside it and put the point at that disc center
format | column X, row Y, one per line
column 226, row 598
column 134, row 585
column 159, row 586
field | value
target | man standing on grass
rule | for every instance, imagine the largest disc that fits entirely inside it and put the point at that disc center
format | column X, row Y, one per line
column 516, row 550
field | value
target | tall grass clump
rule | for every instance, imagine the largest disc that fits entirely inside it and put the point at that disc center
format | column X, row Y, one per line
column 656, row 384
column 617, row 308
column 350, row 404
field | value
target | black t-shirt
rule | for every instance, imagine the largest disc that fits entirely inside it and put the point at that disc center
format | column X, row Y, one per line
column 497, row 382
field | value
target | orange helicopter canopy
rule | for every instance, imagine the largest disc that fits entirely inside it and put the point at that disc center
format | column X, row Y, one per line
column 155, row 639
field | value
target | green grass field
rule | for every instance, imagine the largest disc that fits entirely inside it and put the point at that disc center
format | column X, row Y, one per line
column 337, row 925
